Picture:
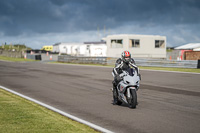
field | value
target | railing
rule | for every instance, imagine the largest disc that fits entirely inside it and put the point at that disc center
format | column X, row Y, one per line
column 139, row 62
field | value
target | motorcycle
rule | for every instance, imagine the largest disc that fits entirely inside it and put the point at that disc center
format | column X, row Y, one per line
column 126, row 90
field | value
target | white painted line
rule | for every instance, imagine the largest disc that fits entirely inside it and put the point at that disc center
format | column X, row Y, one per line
column 5, row 61
column 59, row 111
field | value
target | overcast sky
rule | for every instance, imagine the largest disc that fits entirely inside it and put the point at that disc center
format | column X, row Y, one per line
column 45, row 22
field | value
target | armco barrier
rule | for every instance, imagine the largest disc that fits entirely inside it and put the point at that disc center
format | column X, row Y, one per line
column 82, row 60
column 139, row 62
column 167, row 63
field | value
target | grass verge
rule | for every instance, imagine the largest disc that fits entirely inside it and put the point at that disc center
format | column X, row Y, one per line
column 20, row 115
column 14, row 59
column 194, row 70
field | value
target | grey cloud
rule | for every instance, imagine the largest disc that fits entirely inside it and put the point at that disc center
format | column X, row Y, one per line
column 45, row 16
column 69, row 16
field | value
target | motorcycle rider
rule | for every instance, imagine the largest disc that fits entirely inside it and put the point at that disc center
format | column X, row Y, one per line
column 122, row 63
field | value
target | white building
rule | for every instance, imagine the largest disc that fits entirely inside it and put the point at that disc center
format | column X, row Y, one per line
column 81, row 49
column 66, row 48
column 144, row 46
column 189, row 46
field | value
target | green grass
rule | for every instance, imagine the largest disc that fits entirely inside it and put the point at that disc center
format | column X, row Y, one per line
column 194, row 70
column 18, row 47
column 20, row 115
column 14, row 59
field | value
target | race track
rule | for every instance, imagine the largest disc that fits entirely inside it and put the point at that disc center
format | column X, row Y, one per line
column 168, row 101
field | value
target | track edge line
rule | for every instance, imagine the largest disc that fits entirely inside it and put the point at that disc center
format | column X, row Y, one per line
column 96, row 127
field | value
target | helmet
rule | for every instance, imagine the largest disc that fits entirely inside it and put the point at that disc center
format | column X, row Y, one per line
column 126, row 56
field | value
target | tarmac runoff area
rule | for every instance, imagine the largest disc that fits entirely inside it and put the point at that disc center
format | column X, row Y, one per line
column 168, row 101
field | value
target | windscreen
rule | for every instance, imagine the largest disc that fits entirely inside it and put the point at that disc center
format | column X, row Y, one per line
column 131, row 71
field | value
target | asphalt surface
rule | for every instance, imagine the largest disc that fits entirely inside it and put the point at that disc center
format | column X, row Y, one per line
column 168, row 102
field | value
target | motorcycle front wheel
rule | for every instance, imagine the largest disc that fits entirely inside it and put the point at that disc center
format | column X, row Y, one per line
column 115, row 97
column 133, row 100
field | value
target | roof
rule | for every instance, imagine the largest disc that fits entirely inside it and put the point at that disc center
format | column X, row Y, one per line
column 57, row 44
column 67, row 44
column 102, row 42
column 139, row 35
column 189, row 46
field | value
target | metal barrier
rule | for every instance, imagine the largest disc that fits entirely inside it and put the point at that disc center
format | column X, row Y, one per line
column 82, row 60
column 167, row 63
column 139, row 62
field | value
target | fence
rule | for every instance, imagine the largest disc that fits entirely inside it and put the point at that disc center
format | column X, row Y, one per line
column 15, row 54
column 139, row 62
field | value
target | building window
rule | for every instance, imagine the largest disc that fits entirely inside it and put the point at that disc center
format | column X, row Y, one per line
column 88, row 47
column 159, row 44
column 134, row 43
column 116, row 43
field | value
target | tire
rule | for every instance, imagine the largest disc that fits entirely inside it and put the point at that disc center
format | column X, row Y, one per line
column 115, row 97
column 133, row 100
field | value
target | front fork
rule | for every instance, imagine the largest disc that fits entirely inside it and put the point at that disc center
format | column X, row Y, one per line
column 128, row 92
column 127, row 96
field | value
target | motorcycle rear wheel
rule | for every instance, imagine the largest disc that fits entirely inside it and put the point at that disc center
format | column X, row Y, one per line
column 115, row 97
column 133, row 100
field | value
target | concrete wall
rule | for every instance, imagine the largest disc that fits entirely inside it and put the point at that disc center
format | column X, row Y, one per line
column 15, row 54
column 146, row 50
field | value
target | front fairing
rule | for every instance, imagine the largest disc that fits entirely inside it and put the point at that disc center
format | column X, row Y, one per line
column 131, row 78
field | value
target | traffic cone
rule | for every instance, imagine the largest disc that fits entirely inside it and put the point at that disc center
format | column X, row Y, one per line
column 50, row 57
